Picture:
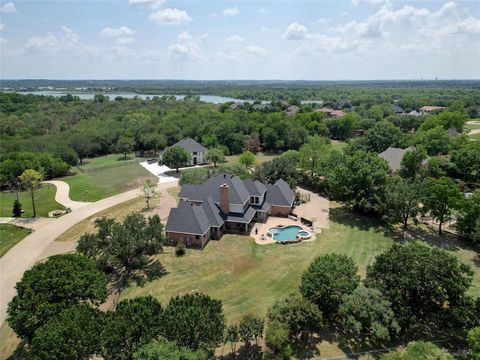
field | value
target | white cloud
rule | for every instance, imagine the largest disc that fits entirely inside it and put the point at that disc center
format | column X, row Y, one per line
column 230, row 11
column 296, row 31
column 8, row 8
column 262, row 11
column 187, row 47
column 170, row 16
column 122, row 31
column 255, row 50
column 234, row 39
column 124, row 40
column 470, row 25
column 154, row 4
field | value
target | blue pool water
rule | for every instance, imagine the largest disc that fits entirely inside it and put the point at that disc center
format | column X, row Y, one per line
column 287, row 233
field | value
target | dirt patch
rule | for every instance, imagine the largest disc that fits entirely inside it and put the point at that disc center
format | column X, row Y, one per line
column 240, row 264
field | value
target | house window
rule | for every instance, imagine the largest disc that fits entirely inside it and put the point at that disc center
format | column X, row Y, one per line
column 194, row 153
column 197, row 237
column 252, row 199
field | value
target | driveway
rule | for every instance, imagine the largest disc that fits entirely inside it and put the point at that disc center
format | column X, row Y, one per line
column 62, row 195
column 37, row 245
column 159, row 171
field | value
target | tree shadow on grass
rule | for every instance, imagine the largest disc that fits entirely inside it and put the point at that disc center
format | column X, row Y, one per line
column 446, row 241
column 153, row 271
column 20, row 352
column 252, row 352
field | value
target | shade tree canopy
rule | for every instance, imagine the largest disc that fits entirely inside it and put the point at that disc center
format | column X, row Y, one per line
column 175, row 157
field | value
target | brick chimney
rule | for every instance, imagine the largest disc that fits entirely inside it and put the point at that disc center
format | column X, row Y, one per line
column 224, row 201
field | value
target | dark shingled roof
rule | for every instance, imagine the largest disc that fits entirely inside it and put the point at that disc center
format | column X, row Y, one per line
column 393, row 156
column 188, row 218
column 244, row 218
column 190, row 145
column 237, row 191
column 255, row 187
column 280, row 194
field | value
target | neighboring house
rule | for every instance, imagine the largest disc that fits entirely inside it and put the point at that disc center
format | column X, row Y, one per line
column 394, row 156
column 397, row 109
column 197, row 151
column 225, row 204
column 331, row 113
column 292, row 109
column 426, row 109
column 413, row 113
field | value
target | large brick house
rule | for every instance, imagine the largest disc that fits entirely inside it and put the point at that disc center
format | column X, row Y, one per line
column 225, row 204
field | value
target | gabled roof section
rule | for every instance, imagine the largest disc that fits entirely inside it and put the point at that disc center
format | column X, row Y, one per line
column 188, row 218
column 255, row 187
column 213, row 212
column 393, row 156
column 190, row 145
column 280, row 194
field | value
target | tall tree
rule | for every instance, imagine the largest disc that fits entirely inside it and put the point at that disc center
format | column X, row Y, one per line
column 469, row 215
column 174, row 157
column 30, row 181
column 381, row 136
column 432, row 286
column 312, row 153
column 402, row 200
column 48, row 288
column 72, row 334
column 366, row 316
column 195, row 321
column 215, row 156
column 441, row 196
column 125, row 145
column 412, row 162
column 124, row 247
column 359, row 180
column 134, row 322
column 327, row 279
column 167, row 350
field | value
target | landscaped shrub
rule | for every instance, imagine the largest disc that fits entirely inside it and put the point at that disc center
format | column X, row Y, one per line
column 17, row 208
column 180, row 250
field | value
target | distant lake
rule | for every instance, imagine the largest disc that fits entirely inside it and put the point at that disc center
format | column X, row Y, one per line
column 214, row 99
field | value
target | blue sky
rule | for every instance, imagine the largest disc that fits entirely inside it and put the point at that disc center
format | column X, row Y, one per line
column 317, row 40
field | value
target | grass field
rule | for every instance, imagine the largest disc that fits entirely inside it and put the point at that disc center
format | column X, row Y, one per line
column 104, row 161
column 117, row 212
column 233, row 159
column 97, row 185
column 10, row 235
column 248, row 278
column 44, row 201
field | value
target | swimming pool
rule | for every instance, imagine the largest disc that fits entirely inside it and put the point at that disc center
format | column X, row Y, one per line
column 289, row 233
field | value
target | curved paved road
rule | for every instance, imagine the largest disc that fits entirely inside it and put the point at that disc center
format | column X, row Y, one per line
column 28, row 251
column 62, row 195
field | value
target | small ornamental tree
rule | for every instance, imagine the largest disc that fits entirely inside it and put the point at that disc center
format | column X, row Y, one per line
column 247, row 158
column 195, row 321
column 167, row 350
column 366, row 316
column 215, row 156
column 17, row 208
column 124, row 248
column 231, row 335
column 133, row 323
column 426, row 290
column 419, row 350
column 48, row 288
column 175, row 157
column 474, row 342
column 277, row 339
column 299, row 314
column 441, row 196
column 327, row 280
column 253, row 144
column 149, row 191
column 250, row 328
column 72, row 334
column 30, row 181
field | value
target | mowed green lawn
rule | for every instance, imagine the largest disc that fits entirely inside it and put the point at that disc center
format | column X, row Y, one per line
column 44, row 201
column 106, row 181
column 249, row 278
column 105, row 161
column 10, row 235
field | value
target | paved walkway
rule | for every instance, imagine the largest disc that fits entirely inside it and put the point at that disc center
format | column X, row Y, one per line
column 159, row 171
column 62, row 195
column 37, row 245
column 29, row 223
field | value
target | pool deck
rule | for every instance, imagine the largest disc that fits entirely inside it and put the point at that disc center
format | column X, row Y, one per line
column 316, row 210
column 275, row 222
